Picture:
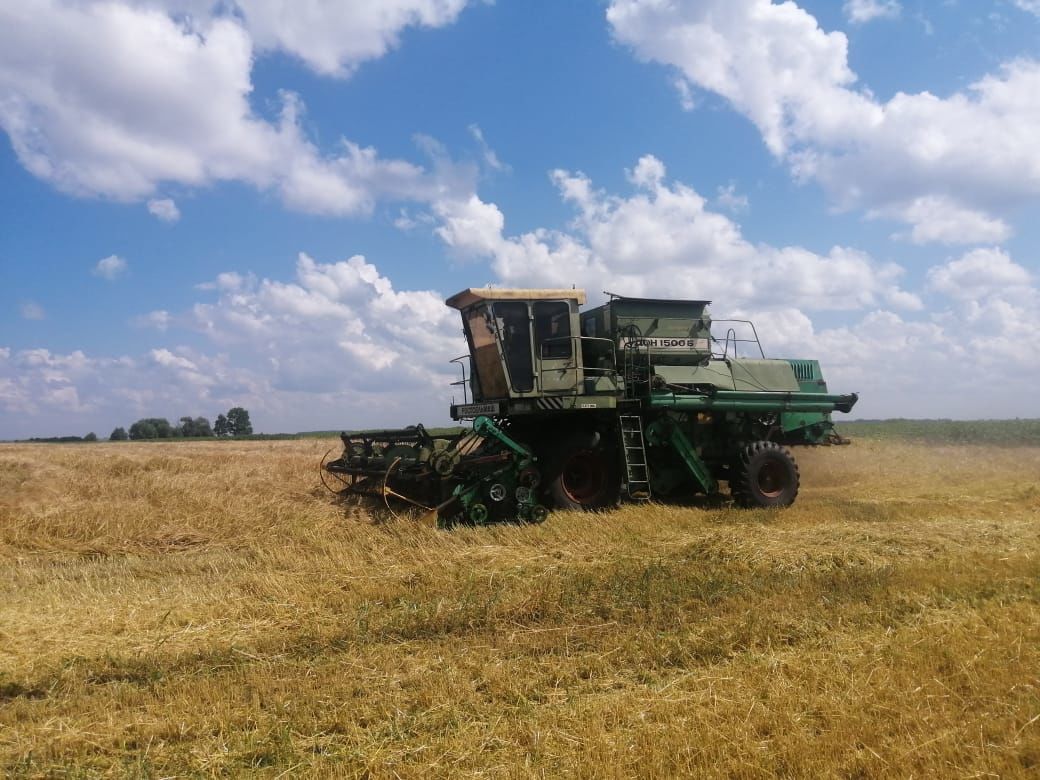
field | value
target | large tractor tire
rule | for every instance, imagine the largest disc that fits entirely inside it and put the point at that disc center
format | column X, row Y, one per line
column 584, row 474
column 765, row 475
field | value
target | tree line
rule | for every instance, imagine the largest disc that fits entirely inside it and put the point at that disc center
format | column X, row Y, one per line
column 63, row 439
column 234, row 423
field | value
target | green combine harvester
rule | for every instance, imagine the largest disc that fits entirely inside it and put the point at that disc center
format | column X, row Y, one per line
column 639, row 398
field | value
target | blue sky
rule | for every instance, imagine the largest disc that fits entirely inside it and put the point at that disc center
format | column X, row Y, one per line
column 208, row 205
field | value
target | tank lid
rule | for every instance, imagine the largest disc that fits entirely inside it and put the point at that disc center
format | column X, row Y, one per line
column 614, row 298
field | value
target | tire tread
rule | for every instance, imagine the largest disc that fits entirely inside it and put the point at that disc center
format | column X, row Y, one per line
column 742, row 486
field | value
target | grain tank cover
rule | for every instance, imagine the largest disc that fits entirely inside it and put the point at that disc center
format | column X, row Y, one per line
column 676, row 333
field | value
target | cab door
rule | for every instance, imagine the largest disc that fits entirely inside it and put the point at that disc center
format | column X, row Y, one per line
column 513, row 323
column 487, row 375
column 556, row 349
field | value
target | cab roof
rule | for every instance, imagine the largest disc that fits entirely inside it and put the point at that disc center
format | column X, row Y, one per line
column 474, row 295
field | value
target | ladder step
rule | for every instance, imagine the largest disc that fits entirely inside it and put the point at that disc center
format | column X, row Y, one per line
column 637, row 469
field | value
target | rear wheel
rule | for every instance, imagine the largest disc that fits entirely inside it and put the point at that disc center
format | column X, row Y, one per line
column 765, row 475
column 585, row 474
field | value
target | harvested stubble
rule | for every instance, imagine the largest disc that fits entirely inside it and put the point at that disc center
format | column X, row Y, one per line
column 206, row 609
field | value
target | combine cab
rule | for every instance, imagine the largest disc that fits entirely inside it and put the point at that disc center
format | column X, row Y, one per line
column 638, row 398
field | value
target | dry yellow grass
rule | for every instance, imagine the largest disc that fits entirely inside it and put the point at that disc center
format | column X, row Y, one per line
column 205, row 609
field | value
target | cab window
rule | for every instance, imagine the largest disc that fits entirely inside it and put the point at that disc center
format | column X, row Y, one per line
column 552, row 329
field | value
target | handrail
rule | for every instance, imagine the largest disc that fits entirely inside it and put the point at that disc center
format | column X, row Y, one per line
column 463, row 381
column 576, row 348
column 576, row 342
column 575, row 364
column 709, row 323
column 731, row 336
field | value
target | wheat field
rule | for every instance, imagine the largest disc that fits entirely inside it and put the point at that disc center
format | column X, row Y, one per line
column 208, row 609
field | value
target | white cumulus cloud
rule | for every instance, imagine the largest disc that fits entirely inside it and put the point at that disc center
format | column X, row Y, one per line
column 487, row 153
column 729, row 199
column 164, row 209
column 338, row 345
column 160, row 319
column 110, row 267
column 970, row 152
column 43, row 393
column 860, row 11
column 30, row 310
column 981, row 274
column 81, row 118
column 941, row 220
column 333, row 37
column 338, row 329
column 663, row 239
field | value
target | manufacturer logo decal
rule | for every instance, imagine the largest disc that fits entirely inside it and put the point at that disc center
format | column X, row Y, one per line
column 679, row 344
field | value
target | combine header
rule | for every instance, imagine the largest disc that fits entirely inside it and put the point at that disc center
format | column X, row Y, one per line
column 637, row 398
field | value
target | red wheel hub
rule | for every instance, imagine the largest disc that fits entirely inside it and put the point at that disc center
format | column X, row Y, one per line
column 772, row 479
column 584, row 477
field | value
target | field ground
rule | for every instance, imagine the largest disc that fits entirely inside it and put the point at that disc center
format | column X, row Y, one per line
column 206, row 609
column 999, row 432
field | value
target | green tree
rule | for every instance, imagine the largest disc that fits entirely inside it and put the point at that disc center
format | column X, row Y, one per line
column 119, row 434
column 221, row 427
column 142, row 429
column 152, row 428
column 90, row 437
column 195, row 427
column 202, row 427
column 238, row 420
column 163, row 428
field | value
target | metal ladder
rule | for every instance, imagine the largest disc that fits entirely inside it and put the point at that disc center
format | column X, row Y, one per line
column 637, row 470
column 636, row 369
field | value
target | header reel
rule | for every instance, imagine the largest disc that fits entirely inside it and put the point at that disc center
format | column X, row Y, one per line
column 477, row 477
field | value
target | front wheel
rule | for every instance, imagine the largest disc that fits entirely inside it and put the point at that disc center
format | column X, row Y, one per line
column 585, row 474
column 765, row 475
